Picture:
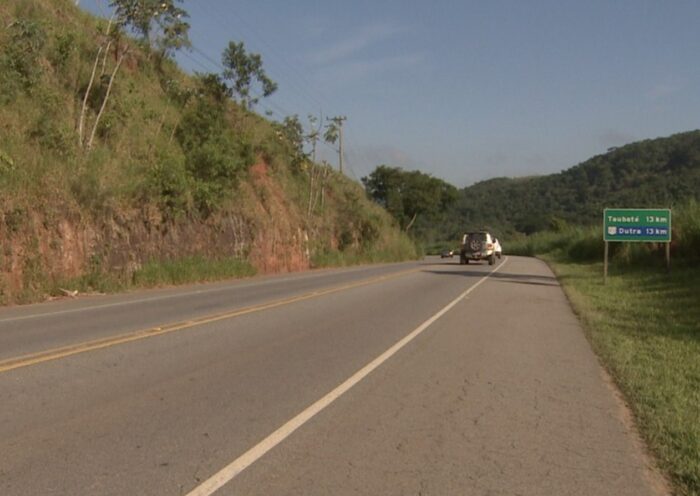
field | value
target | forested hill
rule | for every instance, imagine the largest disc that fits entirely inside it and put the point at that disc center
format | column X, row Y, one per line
column 660, row 172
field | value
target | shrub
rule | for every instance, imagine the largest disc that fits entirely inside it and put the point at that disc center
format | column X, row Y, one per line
column 686, row 230
column 585, row 244
column 19, row 61
column 168, row 184
column 62, row 50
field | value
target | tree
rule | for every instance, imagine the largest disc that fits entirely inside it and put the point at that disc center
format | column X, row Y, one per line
column 244, row 70
column 409, row 194
column 334, row 132
column 313, row 136
column 215, row 156
column 20, row 65
column 159, row 23
column 293, row 132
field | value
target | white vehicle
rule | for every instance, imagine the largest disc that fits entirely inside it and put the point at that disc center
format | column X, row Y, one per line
column 497, row 248
column 479, row 245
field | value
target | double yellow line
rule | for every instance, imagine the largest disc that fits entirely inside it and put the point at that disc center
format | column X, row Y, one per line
column 74, row 349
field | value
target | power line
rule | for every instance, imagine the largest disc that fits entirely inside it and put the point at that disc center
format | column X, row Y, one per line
column 269, row 106
column 251, row 31
column 277, row 110
column 350, row 138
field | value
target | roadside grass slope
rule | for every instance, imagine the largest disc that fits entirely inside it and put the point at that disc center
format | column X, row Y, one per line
column 169, row 191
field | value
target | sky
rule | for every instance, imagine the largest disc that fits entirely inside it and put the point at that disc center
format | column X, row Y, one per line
column 466, row 90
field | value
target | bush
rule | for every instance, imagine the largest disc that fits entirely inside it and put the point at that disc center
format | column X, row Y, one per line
column 686, row 230
column 169, row 184
column 585, row 244
column 214, row 157
column 62, row 50
column 19, row 61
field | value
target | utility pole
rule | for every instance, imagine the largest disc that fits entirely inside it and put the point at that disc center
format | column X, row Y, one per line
column 340, row 142
column 335, row 130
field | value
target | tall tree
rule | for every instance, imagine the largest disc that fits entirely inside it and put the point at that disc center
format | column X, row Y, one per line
column 409, row 194
column 293, row 131
column 159, row 23
column 244, row 71
column 333, row 134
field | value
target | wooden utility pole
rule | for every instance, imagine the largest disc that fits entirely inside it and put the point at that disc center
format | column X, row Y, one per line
column 340, row 142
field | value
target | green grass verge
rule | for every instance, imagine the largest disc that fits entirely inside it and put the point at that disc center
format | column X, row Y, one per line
column 154, row 273
column 336, row 258
column 645, row 326
column 191, row 269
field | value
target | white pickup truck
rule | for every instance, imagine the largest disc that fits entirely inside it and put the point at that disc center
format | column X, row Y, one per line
column 479, row 245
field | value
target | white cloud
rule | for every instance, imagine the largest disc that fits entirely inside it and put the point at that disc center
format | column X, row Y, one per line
column 360, row 40
column 664, row 89
column 362, row 160
column 354, row 70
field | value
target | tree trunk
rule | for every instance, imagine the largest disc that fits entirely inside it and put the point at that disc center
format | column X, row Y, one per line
column 83, row 110
column 104, row 102
column 311, row 189
column 410, row 224
column 104, row 59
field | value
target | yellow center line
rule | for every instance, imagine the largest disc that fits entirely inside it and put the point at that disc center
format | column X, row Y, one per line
column 74, row 349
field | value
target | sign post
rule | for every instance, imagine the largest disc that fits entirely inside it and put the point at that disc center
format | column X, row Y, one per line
column 605, row 265
column 637, row 225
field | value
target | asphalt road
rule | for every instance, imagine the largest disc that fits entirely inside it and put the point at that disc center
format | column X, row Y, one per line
column 426, row 378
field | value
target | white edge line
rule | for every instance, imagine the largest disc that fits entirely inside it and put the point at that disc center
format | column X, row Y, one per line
column 230, row 471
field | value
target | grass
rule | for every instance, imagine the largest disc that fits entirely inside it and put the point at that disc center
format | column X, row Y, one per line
column 152, row 274
column 394, row 250
column 644, row 324
column 191, row 269
column 148, row 157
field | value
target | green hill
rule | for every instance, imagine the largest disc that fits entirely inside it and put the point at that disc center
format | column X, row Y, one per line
column 662, row 172
column 113, row 160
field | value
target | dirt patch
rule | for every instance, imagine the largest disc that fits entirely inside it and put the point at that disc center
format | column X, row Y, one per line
column 280, row 242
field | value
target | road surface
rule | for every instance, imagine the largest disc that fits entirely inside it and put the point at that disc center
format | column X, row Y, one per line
column 427, row 378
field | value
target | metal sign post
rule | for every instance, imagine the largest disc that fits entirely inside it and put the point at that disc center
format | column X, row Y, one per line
column 644, row 225
column 605, row 265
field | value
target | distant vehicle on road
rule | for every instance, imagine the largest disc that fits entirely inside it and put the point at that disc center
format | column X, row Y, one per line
column 497, row 248
column 447, row 254
column 478, row 245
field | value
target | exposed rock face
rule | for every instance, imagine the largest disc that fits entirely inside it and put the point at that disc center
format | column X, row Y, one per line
column 280, row 241
column 265, row 228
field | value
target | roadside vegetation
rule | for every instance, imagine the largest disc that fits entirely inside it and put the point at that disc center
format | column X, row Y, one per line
column 661, row 172
column 113, row 161
column 420, row 203
column 644, row 324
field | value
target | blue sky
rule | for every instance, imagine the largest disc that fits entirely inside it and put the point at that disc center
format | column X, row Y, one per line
column 467, row 90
